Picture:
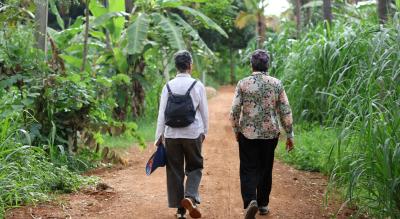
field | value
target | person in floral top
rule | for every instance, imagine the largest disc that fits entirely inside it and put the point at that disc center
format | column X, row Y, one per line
column 260, row 104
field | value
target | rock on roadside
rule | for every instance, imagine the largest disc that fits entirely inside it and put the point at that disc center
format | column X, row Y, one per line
column 211, row 92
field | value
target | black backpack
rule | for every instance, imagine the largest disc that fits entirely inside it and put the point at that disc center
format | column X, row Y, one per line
column 180, row 111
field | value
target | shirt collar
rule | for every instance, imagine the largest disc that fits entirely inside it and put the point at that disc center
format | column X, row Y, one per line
column 259, row 73
column 183, row 74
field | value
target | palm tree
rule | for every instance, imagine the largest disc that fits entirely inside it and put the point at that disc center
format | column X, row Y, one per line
column 254, row 14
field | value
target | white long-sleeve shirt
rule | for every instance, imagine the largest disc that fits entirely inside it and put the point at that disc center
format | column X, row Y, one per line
column 179, row 85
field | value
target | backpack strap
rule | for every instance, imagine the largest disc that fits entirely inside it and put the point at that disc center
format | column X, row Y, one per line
column 191, row 87
column 169, row 90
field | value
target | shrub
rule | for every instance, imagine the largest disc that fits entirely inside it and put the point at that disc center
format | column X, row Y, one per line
column 26, row 174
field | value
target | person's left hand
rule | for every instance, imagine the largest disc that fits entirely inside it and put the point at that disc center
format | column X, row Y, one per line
column 203, row 137
column 289, row 144
column 158, row 142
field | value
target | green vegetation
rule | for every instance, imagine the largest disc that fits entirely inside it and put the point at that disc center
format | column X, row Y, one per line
column 347, row 77
column 146, row 131
column 313, row 149
column 99, row 80
column 27, row 173
column 101, row 71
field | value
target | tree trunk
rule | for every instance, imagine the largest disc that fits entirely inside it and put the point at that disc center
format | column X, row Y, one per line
column 86, row 36
column 41, row 16
column 298, row 18
column 105, row 3
column 128, row 6
column 328, row 11
column 260, row 30
column 204, row 77
column 308, row 16
column 232, row 57
column 138, row 94
column 383, row 11
column 137, row 99
column 308, row 12
column 165, row 65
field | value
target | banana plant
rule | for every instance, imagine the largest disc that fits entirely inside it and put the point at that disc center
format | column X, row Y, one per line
column 150, row 24
column 118, row 40
column 165, row 26
column 168, row 24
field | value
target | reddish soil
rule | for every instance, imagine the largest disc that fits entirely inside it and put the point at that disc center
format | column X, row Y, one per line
column 295, row 194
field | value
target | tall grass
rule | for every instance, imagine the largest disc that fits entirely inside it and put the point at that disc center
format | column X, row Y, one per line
column 26, row 174
column 348, row 78
column 313, row 148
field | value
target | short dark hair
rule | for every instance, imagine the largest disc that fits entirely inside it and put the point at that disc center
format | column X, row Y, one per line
column 260, row 60
column 183, row 60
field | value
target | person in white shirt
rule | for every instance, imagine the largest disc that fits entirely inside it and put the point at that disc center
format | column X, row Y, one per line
column 183, row 145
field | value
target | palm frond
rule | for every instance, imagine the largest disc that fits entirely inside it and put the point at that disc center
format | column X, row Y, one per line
column 244, row 19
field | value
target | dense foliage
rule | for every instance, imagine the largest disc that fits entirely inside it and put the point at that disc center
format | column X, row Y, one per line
column 27, row 173
column 103, row 72
column 58, row 107
column 347, row 77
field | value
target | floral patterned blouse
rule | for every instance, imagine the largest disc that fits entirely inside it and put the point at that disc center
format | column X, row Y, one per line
column 259, row 101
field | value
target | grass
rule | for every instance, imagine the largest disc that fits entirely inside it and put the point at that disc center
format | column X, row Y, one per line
column 313, row 145
column 26, row 173
column 348, row 78
column 122, row 141
column 146, row 129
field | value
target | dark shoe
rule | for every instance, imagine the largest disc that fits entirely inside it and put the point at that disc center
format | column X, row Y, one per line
column 180, row 214
column 194, row 212
column 251, row 210
column 264, row 210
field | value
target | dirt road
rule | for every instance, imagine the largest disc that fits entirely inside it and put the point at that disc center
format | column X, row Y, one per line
column 295, row 194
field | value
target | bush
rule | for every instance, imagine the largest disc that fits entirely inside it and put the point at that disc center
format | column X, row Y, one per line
column 26, row 174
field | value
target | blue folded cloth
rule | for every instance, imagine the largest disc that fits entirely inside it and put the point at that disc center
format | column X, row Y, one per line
column 158, row 159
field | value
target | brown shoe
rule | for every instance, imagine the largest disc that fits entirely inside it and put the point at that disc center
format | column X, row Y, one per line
column 194, row 212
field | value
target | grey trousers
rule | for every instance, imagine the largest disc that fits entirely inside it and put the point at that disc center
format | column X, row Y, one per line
column 183, row 158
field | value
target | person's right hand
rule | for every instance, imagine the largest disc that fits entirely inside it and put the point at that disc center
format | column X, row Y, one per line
column 289, row 144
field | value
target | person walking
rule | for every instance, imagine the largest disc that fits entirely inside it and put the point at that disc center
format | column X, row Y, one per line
column 183, row 123
column 259, row 104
